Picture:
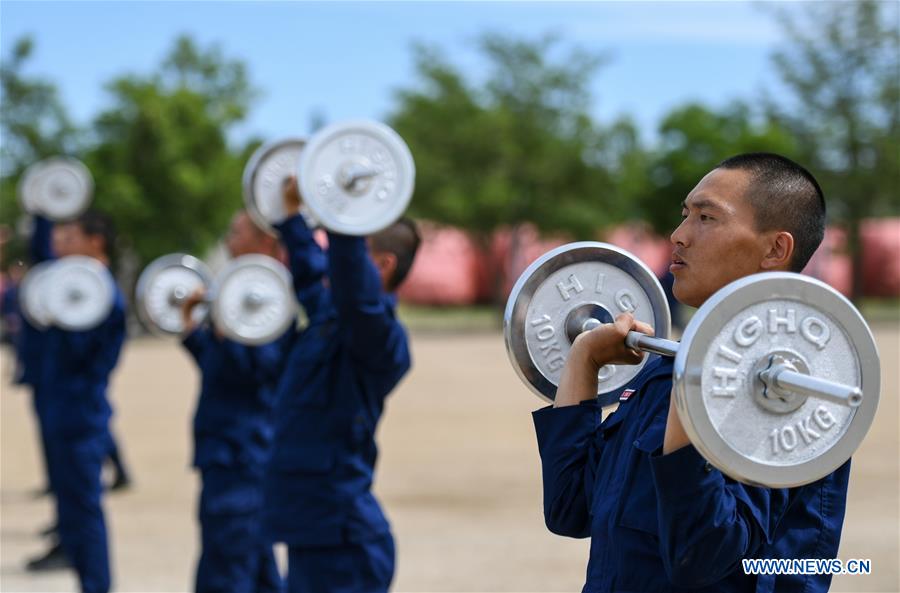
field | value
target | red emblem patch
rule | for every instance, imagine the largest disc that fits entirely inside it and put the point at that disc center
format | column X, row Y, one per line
column 625, row 395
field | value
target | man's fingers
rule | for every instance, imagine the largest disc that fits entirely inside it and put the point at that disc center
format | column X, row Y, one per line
column 644, row 328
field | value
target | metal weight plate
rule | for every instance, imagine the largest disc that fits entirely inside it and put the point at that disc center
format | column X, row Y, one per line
column 163, row 287
column 264, row 175
column 31, row 292
column 559, row 291
column 254, row 302
column 79, row 293
column 356, row 177
column 776, row 442
column 27, row 189
column 60, row 188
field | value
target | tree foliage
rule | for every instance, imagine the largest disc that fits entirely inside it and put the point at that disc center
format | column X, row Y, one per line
column 841, row 65
column 159, row 154
column 161, row 160
column 692, row 140
column 518, row 147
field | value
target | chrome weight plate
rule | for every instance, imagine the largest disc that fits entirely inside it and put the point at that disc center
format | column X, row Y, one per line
column 163, row 287
column 775, row 440
column 79, row 293
column 254, row 302
column 264, row 176
column 561, row 291
column 27, row 189
column 31, row 295
column 356, row 177
column 59, row 188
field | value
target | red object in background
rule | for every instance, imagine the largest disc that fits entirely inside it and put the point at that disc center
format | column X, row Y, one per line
column 881, row 257
column 453, row 269
column 446, row 269
column 640, row 240
column 830, row 263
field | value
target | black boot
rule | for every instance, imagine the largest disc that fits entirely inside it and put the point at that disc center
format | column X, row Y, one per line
column 54, row 559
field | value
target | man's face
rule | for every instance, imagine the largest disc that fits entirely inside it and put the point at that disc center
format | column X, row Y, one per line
column 717, row 241
column 243, row 237
column 69, row 239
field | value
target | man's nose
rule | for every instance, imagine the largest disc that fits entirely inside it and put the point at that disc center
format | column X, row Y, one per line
column 679, row 235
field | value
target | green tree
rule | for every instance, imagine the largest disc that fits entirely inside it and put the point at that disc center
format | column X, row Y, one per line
column 33, row 125
column 518, row 147
column 694, row 138
column 33, row 121
column 841, row 66
column 161, row 160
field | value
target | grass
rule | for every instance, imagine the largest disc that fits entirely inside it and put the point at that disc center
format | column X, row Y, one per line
column 458, row 319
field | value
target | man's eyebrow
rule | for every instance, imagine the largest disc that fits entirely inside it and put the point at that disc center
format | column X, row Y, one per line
column 702, row 204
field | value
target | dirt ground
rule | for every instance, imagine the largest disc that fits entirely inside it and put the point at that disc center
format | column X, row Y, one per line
column 458, row 474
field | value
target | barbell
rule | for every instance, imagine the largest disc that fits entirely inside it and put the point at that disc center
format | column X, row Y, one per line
column 75, row 293
column 356, row 178
column 59, row 188
column 776, row 378
column 251, row 301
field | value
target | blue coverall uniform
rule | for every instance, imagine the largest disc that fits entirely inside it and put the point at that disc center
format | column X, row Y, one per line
column 673, row 523
column 232, row 441
column 337, row 375
column 69, row 371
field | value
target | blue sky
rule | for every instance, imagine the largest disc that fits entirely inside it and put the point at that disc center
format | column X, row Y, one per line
column 345, row 59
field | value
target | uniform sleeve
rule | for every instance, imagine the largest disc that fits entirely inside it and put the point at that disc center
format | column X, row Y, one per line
column 197, row 342
column 39, row 246
column 708, row 522
column 307, row 262
column 566, row 441
column 376, row 338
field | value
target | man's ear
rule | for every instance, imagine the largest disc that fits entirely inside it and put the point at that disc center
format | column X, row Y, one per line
column 98, row 244
column 386, row 262
column 780, row 252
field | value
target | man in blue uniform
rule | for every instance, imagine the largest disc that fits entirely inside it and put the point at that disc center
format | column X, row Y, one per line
column 659, row 516
column 331, row 396
column 70, row 372
column 232, row 440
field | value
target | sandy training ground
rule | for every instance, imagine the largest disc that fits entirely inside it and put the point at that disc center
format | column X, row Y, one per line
column 458, row 475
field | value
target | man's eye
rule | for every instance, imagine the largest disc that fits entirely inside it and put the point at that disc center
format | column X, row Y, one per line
column 683, row 215
column 705, row 217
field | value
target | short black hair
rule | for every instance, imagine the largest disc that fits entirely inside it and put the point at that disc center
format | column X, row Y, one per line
column 402, row 239
column 94, row 223
column 784, row 196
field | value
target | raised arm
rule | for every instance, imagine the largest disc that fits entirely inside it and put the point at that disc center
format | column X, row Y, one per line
column 307, row 262
column 40, row 248
column 364, row 311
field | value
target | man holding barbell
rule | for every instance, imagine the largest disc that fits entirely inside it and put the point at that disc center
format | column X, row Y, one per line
column 233, row 438
column 339, row 372
column 659, row 516
column 70, row 373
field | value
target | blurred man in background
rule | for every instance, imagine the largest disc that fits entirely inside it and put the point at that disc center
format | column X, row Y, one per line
column 233, row 438
column 69, row 372
column 338, row 373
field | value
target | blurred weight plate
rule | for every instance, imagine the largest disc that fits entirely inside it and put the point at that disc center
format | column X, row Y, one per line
column 356, row 177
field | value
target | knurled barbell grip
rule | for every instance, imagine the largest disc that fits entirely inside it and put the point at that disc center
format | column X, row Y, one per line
column 639, row 341
column 783, row 378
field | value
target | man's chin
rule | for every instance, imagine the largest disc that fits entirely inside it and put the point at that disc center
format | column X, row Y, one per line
column 685, row 296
